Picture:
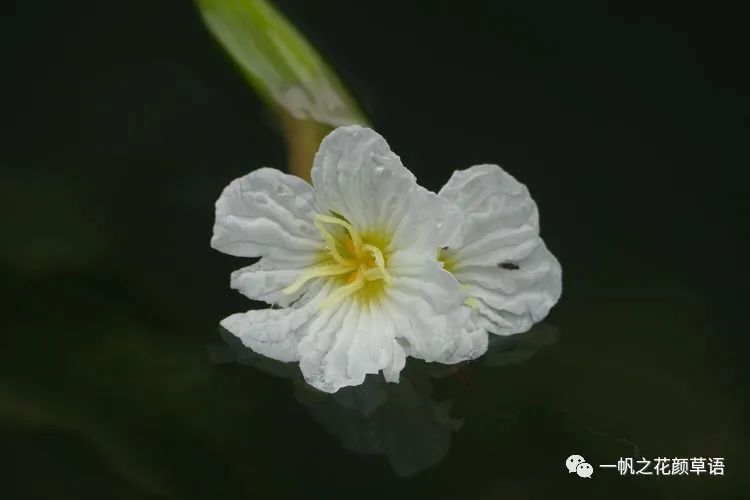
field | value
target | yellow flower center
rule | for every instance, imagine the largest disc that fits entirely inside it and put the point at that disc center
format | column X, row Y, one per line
column 446, row 257
column 355, row 259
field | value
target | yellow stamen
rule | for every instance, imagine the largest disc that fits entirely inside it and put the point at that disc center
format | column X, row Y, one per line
column 353, row 233
column 346, row 254
column 317, row 272
column 346, row 290
column 331, row 243
column 374, row 274
column 377, row 254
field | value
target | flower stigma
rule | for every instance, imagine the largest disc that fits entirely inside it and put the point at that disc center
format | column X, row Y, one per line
column 355, row 259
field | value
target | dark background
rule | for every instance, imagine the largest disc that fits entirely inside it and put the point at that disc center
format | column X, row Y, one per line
column 124, row 120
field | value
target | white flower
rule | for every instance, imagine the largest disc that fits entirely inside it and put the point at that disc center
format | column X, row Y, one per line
column 501, row 261
column 351, row 261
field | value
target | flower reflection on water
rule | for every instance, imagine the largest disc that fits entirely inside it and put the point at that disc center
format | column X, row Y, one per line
column 405, row 422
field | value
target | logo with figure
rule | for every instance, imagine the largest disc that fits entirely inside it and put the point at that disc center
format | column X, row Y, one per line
column 578, row 464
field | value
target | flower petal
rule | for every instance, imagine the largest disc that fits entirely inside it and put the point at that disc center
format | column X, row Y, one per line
column 345, row 344
column 266, row 279
column 356, row 175
column 266, row 211
column 501, row 219
column 511, row 301
column 270, row 332
column 425, row 304
column 502, row 262
column 276, row 333
column 471, row 342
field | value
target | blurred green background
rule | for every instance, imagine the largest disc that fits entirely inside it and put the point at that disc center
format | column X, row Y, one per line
column 123, row 122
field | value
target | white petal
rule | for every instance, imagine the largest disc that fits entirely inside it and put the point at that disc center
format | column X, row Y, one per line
column 501, row 220
column 502, row 262
column 356, row 175
column 264, row 212
column 343, row 345
column 266, row 279
column 483, row 188
column 511, row 301
column 270, row 332
column 428, row 282
column 471, row 342
column 425, row 304
column 276, row 333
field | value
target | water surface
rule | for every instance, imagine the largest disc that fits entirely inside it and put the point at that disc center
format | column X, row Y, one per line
column 123, row 126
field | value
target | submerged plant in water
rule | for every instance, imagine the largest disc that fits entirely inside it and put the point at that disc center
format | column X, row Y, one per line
column 354, row 262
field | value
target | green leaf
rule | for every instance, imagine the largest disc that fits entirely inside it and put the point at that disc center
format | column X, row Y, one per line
column 286, row 71
column 280, row 64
